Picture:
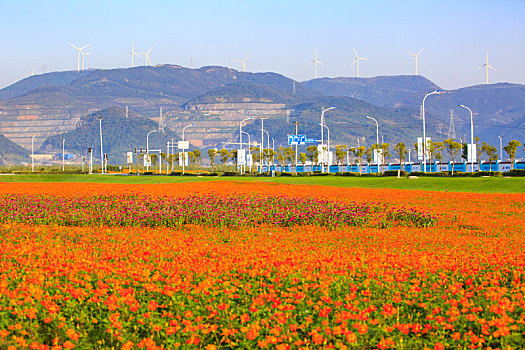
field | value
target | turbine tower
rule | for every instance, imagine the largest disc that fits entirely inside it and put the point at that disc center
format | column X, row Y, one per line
column 243, row 62
column 147, row 55
column 83, row 54
column 132, row 53
column 356, row 62
column 486, row 65
column 415, row 57
column 79, row 51
column 315, row 62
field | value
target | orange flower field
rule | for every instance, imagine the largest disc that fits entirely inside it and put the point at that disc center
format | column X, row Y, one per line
column 458, row 283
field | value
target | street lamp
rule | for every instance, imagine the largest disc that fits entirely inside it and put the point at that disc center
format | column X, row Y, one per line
column 147, row 147
column 183, row 152
column 32, row 154
column 249, row 141
column 501, row 147
column 240, row 130
column 471, row 137
column 262, row 139
column 101, row 147
column 267, row 138
column 63, row 155
column 377, row 127
column 325, row 160
column 322, row 122
column 424, row 130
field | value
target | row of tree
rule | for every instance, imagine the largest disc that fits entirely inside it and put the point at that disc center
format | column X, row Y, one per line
column 435, row 152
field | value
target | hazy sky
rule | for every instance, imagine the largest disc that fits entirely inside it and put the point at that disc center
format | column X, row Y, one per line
column 280, row 36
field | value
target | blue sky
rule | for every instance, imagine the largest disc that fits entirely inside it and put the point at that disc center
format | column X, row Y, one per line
column 280, row 36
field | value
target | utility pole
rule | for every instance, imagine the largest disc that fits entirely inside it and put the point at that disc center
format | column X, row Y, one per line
column 296, row 124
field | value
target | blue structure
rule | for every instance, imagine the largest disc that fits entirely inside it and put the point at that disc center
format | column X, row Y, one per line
column 409, row 167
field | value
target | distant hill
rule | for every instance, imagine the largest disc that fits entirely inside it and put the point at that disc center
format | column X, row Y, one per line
column 216, row 99
column 11, row 153
column 384, row 91
column 119, row 135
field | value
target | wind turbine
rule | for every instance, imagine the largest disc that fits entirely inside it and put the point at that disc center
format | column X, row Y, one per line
column 487, row 66
column 32, row 72
column 147, row 55
column 315, row 62
column 79, row 50
column 356, row 62
column 243, row 63
column 415, row 56
column 132, row 53
column 83, row 54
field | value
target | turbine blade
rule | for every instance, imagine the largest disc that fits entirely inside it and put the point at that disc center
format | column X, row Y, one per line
column 246, row 59
column 420, row 52
column 488, row 65
column 150, row 49
column 321, row 63
column 82, row 48
column 355, row 52
column 73, row 46
column 411, row 54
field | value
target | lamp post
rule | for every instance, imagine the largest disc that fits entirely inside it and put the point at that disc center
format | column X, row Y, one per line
column 249, row 141
column 262, row 140
column 63, row 155
column 377, row 137
column 471, row 137
column 501, row 147
column 147, row 147
column 267, row 139
column 101, row 147
column 183, row 152
column 424, row 130
column 240, row 130
column 326, row 155
column 322, row 122
column 377, row 128
column 32, row 154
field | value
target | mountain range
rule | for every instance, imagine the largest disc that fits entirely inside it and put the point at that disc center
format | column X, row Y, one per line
column 216, row 99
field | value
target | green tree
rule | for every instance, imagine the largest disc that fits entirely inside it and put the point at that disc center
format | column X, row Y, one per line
column 154, row 159
column 369, row 155
column 280, row 155
column 453, row 148
column 359, row 152
column 433, row 148
column 233, row 155
column 340, row 153
column 491, row 152
column 511, row 149
column 224, row 155
column 212, row 153
column 268, row 155
column 256, row 155
column 401, row 150
column 303, row 158
column 313, row 154
column 191, row 158
column 198, row 156
column 289, row 155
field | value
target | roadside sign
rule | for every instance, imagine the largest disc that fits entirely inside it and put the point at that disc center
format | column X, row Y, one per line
column 147, row 160
column 249, row 160
column 241, row 156
column 183, row 145
column 130, row 157
column 296, row 139
column 420, row 148
column 471, row 153
column 311, row 140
